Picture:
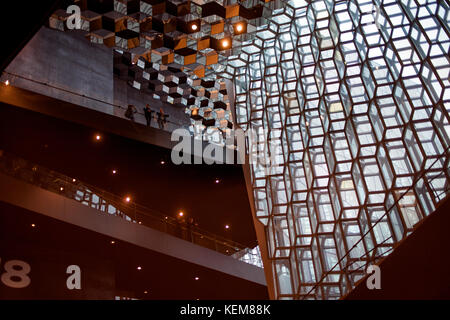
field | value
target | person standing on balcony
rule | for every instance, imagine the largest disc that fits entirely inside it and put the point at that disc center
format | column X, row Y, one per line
column 131, row 110
column 148, row 114
column 162, row 118
column 190, row 226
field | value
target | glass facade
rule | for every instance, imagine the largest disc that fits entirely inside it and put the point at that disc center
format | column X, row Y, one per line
column 358, row 94
column 355, row 92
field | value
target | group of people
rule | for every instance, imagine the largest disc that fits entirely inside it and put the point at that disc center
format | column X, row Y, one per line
column 148, row 113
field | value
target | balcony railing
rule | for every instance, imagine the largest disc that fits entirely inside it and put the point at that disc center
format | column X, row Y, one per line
column 108, row 203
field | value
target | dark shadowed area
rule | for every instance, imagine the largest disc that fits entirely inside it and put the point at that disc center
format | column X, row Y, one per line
column 73, row 150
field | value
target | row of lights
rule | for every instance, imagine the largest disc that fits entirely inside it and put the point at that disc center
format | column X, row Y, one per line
column 128, row 199
column 238, row 27
column 225, row 43
column 138, row 268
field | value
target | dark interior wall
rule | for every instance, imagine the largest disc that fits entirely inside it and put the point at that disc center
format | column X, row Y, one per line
column 33, row 15
column 107, row 270
column 419, row 267
column 71, row 149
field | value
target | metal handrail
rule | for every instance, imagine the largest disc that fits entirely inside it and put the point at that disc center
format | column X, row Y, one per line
column 110, row 203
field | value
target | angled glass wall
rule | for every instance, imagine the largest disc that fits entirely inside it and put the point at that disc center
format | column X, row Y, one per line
column 358, row 94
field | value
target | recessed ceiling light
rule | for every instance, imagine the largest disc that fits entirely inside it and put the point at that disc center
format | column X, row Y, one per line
column 194, row 27
column 239, row 27
column 225, row 43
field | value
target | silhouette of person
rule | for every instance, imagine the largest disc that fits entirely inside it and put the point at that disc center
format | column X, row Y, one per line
column 148, row 114
column 131, row 110
column 161, row 118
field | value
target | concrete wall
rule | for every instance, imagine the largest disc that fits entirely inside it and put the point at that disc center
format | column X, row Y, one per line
column 67, row 62
column 66, row 66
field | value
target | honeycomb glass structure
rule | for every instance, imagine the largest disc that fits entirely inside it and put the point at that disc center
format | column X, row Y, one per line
column 358, row 94
column 355, row 92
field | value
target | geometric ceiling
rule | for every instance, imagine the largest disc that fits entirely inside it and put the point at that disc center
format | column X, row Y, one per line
column 174, row 50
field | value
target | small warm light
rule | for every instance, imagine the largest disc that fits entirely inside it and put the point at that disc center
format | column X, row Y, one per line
column 127, row 199
column 240, row 27
column 194, row 27
column 7, row 82
column 225, row 43
column 227, row 226
column 217, row 180
column 197, row 278
column 113, row 242
column 62, row 189
column 98, row 137
column 167, row 218
column 140, row 222
column 139, row 268
column 74, row 180
column 163, row 162
column 33, row 225
column 114, row 171
column 145, row 292
column 181, row 213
